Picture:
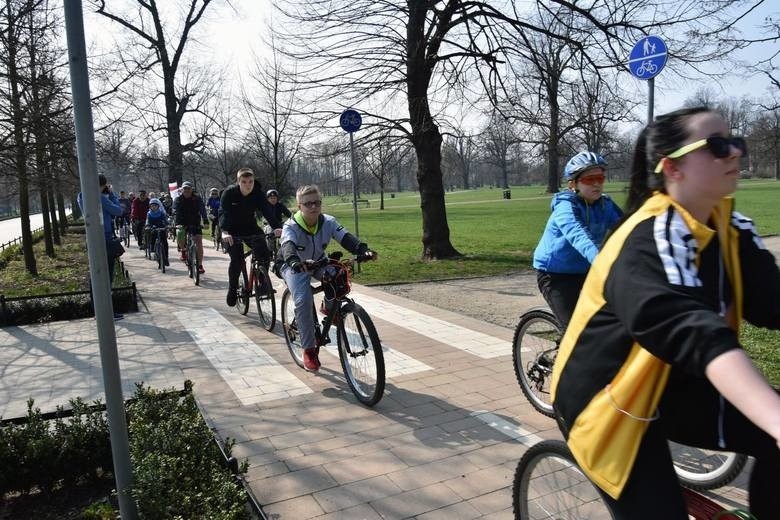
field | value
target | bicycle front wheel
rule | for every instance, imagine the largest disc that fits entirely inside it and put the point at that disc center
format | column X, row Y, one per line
column 242, row 304
column 291, row 335
column 265, row 298
column 361, row 354
column 702, row 469
column 158, row 248
column 534, row 348
column 549, row 484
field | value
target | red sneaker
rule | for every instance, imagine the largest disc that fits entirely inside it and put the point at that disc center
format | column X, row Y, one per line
column 183, row 256
column 201, row 270
column 311, row 361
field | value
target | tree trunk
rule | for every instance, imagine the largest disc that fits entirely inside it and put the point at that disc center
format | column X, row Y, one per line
column 55, row 228
column 46, row 222
column 20, row 153
column 553, row 182
column 173, row 122
column 436, row 231
column 426, row 140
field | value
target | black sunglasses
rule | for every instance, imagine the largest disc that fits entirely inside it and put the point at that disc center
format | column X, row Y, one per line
column 720, row 147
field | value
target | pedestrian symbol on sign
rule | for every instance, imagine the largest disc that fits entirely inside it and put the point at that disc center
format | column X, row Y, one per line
column 647, row 57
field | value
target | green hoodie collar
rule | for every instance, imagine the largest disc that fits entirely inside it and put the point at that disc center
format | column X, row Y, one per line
column 312, row 230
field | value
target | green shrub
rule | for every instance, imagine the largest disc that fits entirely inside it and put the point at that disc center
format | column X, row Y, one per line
column 46, row 454
column 177, row 469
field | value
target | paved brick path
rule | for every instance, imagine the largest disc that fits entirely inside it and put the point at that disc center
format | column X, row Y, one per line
column 442, row 443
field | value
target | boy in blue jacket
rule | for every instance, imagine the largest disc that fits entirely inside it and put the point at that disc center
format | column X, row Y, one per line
column 581, row 217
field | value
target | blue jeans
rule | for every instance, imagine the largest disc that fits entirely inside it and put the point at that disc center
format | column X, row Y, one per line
column 300, row 289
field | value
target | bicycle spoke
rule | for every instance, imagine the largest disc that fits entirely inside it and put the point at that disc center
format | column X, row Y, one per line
column 361, row 354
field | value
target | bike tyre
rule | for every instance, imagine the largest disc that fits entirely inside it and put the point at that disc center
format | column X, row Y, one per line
column 266, row 303
column 543, row 481
column 719, row 468
column 369, row 385
column 242, row 303
column 521, row 358
column 290, row 328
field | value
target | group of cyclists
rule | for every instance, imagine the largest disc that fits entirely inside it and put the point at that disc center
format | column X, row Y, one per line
column 234, row 214
column 652, row 301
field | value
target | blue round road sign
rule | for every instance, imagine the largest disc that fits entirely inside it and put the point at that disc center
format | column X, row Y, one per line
column 648, row 57
column 350, row 121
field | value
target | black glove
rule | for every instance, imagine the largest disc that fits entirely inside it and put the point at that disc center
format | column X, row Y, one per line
column 296, row 266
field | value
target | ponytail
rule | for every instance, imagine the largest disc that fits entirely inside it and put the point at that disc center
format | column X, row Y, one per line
column 657, row 140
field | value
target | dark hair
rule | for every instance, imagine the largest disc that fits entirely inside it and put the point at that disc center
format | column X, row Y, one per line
column 102, row 181
column 657, row 140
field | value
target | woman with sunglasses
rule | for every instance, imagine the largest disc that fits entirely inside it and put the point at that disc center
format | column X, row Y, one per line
column 303, row 242
column 652, row 352
column 581, row 216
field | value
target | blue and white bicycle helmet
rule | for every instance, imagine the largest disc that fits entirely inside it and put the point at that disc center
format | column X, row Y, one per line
column 581, row 162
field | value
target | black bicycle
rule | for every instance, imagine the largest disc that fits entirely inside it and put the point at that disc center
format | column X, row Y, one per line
column 193, row 264
column 256, row 284
column 159, row 241
column 360, row 350
column 534, row 349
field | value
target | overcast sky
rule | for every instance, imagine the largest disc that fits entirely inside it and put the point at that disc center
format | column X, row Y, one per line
column 229, row 35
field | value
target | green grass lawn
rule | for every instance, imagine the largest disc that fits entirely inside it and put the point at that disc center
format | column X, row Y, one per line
column 494, row 235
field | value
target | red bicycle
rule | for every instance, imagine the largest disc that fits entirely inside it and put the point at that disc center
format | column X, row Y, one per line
column 256, row 284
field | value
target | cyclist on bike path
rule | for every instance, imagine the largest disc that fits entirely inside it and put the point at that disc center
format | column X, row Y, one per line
column 281, row 212
column 138, row 211
column 237, row 218
column 189, row 211
column 303, row 242
column 157, row 219
column 212, row 204
column 652, row 352
column 581, row 216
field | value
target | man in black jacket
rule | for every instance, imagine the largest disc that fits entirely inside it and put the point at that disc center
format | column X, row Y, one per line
column 189, row 211
column 237, row 219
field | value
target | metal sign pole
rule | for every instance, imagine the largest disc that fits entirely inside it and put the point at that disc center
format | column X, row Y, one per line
column 96, row 249
column 354, row 181
column 650, row 99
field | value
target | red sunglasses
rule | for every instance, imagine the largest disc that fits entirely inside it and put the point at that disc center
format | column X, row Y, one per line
column 590, row 180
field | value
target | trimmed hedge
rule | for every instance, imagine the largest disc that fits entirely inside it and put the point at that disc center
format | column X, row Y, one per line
column 178, row 469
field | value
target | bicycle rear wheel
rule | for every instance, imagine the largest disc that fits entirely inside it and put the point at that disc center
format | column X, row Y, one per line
column 265, row 298
column 158, row 251
column 702, row 469
column 361, row 355
column 548, row 484
column 534, row 348
column 291, row 335
column 242, row 304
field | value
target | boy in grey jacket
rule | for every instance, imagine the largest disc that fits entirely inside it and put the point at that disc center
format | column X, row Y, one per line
column 304, row 239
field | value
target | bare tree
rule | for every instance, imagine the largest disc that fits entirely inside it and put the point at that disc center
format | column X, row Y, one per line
column 182, row 93
column 498, row 139
column 16, row 61
column 382, row 160
column 271, row 108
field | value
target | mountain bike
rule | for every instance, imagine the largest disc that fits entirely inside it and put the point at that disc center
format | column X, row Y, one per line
column 193, row 265
column 549, row 484
column 124, row 232
column 360, row 350
column 160, row 247
column 256, row 284
column 216, row 237
column 534, row 348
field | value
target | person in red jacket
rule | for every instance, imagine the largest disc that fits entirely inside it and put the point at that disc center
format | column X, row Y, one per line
column 138, row 210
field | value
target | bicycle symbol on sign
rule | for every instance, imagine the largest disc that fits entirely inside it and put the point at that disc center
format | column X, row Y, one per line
column 350, row 119
column 647, row 67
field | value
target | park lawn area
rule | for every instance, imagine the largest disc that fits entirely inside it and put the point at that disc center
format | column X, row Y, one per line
column 494, row 235
column 67, row 271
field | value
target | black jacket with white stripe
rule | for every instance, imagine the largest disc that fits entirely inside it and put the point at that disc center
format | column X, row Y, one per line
column 667, row 285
